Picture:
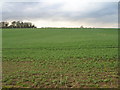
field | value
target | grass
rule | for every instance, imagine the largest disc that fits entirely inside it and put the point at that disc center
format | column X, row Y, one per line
column 60, row 58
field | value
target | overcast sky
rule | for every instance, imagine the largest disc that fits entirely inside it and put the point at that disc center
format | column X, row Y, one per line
column 65, row 13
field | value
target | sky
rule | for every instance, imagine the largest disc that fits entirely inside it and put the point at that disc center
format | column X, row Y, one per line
column 62, row 13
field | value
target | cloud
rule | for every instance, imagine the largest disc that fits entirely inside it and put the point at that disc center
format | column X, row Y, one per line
column 62, row 11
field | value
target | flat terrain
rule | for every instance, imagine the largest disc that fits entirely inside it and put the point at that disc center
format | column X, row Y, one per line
column 60, row 58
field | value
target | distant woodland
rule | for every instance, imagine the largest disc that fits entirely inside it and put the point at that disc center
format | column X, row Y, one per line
column 17, row 24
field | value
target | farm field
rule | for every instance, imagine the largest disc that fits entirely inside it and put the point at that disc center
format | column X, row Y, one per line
column 60, row 58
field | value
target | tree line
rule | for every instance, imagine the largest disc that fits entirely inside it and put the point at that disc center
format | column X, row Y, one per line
column 17, row 24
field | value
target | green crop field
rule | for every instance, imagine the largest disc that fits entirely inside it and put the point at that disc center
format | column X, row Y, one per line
column 60, row 58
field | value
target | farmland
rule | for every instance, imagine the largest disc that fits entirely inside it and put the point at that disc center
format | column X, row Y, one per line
column 60, row 58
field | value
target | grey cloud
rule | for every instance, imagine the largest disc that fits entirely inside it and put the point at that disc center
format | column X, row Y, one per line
column 19, row 11
column 108, row 13
column 34, row 10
